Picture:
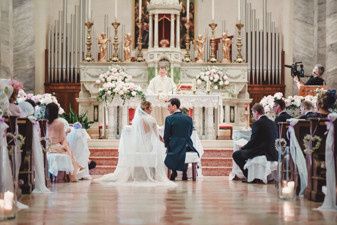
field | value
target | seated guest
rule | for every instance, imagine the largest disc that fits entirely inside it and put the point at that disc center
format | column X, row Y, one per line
column 325, row 102
column 315, row 79
column 279, row 109
column 307, row 110
column 262, row 140
column 57, row 137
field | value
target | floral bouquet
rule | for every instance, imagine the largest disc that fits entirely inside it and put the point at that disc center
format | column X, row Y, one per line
column 41, row 100
column 116, row 82
column 212, row 76
column 293, row 103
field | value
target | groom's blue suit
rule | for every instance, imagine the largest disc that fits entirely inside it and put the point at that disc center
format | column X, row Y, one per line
column 177, row 138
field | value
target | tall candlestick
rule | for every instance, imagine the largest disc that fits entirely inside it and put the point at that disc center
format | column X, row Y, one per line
column 212, row 9
column 89, row 10
column 188, row 11
column 140, row 10
column 239, row 10
column 115, row 9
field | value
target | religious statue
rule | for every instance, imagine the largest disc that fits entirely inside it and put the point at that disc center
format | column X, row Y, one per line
column 227, row 42
column 102, row 43
column 161, row 85
column 127, row 47
column 200, row 50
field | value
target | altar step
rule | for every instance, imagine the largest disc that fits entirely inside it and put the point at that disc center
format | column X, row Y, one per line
column 215, row 161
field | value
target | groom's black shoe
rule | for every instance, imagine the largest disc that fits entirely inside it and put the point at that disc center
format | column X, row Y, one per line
column 173, row 175
column 184, row 176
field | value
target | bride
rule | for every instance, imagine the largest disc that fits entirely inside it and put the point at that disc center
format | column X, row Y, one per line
column 141, row 153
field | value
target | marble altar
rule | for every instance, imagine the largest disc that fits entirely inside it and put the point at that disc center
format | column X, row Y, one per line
column 229, row 105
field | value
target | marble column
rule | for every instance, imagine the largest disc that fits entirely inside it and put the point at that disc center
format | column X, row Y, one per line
column 331, row 43
column 156, row 30
column 172, row 31
column 17, row 59
column 151, row 31
column 6, row 39
column 303, row 28
column 23, row 46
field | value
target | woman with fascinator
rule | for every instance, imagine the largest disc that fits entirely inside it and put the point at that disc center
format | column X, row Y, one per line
column 141, row 153
column 326, row 101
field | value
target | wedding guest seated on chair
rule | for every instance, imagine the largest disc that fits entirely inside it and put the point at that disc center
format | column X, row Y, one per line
column 307, row 110
column 325, row 102
column 57, row 137
column 279, row 109
column 262, row 140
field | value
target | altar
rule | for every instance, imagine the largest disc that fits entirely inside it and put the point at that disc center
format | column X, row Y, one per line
column 211, row 107
column 230, row 106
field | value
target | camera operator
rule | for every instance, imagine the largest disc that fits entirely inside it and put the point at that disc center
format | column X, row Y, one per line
column 315, row 78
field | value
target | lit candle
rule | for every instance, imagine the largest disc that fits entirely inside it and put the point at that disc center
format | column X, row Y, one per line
column 239, row 10
column 212, row 9
column 116, row 9
column 188, row 11
column 140, row 11
column 89, row 10
column 8, row 200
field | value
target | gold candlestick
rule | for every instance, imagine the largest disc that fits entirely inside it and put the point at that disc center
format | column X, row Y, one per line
column 239, row 44
column 114, row 58
column 187, row 57
column 212, row 58
column 88, row 56
column 140, row 42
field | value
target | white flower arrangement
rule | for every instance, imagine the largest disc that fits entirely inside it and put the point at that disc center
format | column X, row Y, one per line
column 116, row 82
column 293, row 103
column 42, row 100
column 212, row 76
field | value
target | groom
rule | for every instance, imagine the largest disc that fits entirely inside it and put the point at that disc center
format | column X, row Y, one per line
column 177, row 138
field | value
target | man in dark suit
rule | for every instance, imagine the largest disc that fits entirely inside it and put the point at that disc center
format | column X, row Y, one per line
column 279, row 109
column 177, row 139
column 262, row 140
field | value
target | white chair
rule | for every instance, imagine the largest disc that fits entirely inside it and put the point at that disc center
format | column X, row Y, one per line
column 260, row 168
column 59, row 162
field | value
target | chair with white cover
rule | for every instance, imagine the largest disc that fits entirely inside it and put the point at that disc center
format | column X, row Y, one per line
column 59, row 162
column 260, row 168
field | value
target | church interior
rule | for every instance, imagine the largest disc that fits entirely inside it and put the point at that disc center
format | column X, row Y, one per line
column 101, row 101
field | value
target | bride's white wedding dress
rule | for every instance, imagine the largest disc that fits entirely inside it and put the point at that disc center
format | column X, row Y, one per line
column 141, row 155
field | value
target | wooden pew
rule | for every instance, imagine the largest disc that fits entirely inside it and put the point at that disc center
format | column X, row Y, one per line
column 25, row 128
column 302, row 128
column 317, row 172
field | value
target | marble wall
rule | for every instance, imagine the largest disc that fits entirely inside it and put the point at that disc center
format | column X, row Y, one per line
column 315, row 36
column 331, row 42
column 6, row 39
column 17, row 42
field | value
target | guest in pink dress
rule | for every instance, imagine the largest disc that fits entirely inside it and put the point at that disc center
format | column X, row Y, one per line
column 57, row 137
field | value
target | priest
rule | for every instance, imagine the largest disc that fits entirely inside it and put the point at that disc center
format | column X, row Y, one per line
column 163, row 86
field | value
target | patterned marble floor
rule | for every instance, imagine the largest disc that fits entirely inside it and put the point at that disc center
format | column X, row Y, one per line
column 210, row 200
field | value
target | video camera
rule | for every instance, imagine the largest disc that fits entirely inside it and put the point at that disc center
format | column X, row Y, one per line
column 295, row 71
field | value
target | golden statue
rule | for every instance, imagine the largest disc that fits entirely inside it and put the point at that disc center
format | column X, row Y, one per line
column 200, row 50
column 227, row 43
column 102, row 43
column 127, row 47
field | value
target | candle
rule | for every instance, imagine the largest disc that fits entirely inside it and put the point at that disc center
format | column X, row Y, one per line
column 8, row 200
column 89, row 10
column 212, row 9
column 140, row 11
column 116, row 9
column 239, row 10
column 188, row 11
